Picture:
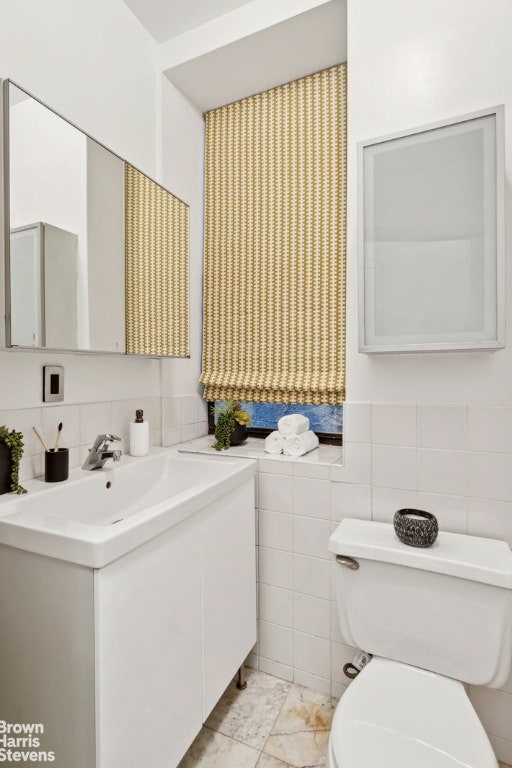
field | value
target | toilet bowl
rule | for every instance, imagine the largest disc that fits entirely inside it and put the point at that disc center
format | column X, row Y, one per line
column 394, row 715
column 433, row 620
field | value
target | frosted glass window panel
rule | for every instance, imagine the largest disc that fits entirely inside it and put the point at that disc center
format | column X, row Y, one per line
column 430, row 235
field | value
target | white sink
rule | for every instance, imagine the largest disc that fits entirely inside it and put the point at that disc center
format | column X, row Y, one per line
column 96, row 517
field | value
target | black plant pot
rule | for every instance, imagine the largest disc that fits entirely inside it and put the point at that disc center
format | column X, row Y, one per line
column 5, row 468
column 239, row 434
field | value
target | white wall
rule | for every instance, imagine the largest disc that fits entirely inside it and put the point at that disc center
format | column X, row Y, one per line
column 411, row 64
column 93, row 62
column 432, row 431
column 183, row 173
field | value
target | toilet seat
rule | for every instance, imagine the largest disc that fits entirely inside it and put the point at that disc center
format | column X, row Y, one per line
column 393, row 715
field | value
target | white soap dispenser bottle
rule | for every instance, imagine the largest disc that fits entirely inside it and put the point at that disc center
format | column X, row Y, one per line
column 139, row 435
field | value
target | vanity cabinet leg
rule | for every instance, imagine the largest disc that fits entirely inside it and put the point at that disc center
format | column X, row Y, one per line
column 241, row 683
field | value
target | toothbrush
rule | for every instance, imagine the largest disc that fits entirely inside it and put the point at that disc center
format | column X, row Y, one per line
column 57, row 441
column 38, row 435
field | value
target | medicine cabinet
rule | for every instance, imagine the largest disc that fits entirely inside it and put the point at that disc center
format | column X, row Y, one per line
column 430, row 237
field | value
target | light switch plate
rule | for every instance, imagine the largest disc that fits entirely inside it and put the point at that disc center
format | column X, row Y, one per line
column 53, row 383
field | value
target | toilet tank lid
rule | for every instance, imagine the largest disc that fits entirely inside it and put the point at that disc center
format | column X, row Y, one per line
column 488, row 561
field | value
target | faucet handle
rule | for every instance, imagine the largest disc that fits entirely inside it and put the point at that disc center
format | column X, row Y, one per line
column 102, row 442
column 111, row 438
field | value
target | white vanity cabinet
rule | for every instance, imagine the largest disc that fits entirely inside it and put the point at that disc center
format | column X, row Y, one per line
column 122, row 664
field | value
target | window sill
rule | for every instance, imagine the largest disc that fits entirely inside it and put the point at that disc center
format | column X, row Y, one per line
column 315, row 464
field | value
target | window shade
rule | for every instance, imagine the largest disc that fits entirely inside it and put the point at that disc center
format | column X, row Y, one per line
column 156, row 242
column 275, row 221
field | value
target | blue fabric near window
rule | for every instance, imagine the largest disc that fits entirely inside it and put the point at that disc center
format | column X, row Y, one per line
column 322, row 418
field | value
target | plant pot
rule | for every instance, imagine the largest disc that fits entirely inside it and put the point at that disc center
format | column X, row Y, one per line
column 5, row 468
column 239, row 434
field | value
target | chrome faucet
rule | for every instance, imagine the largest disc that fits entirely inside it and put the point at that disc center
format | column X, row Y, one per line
column 100, row 452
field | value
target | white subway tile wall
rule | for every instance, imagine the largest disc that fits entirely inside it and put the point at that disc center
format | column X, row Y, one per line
column 395, row 456
column 455, row 461
column 82, row 422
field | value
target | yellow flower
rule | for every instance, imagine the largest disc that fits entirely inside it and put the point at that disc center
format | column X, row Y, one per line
column 242, row 417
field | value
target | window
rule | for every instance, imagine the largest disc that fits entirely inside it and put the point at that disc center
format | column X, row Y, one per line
column 275, row 220
column 325, row 420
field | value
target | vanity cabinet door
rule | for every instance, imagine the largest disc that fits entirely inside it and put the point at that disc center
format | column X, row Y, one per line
column 229, row 589
column 47, row 656
column 148, row 651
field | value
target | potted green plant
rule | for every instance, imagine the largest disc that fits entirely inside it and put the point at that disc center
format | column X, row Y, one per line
column 231, row 425
column 11, row 451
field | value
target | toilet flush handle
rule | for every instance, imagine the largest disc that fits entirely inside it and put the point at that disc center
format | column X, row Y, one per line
column 349, row 562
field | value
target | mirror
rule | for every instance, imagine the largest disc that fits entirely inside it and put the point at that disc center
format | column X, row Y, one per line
column 431, row 237
column 97, row 255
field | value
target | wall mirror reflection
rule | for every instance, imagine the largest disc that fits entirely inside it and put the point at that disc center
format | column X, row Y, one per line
column 96, row 252
column 431, row 237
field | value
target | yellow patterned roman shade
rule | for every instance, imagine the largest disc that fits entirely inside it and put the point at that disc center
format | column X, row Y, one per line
column 157, row 293
column 275, row 220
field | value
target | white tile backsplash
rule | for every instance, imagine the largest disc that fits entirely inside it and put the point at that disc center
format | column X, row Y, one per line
column 357, row 422
column 454, row 461
column 394, row 424
column 95, row 418
column 351, row 500
column 275, row 567
column 189, row 409
column 394, row 457
column 171, row 412
column 311, row 536
column 356, row 466
column 442, row 426
column 22, row 421
column 275, row 530
column 386, row 501
column 311, row 498
column 84, row 421
column 490, row 519
column 442, row 471
column 312, row 615
column 275, row 492
column 69, row 415
column 451, row 511
column 490, row 429
column 275, row 643
column 494, row 708
column 312, row 654
column 275, row 605
column 394, row 467
column 311, row 576
column 490, row 476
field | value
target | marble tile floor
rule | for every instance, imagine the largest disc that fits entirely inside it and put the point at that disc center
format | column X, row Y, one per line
column 272, row 724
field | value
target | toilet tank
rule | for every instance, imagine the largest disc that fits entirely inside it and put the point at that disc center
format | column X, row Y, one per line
column 445, row 608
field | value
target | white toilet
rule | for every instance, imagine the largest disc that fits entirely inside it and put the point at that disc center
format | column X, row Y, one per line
column 433, row 619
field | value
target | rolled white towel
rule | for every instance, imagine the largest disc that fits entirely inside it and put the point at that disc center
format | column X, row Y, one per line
column 274, row 443
column 298, row 445
column 294, row 424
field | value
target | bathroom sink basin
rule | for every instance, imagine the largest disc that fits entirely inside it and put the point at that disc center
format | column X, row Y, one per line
column 96, row 517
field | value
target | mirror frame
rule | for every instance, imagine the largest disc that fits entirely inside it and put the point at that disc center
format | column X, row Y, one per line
column 365, row 156
column 5, row 301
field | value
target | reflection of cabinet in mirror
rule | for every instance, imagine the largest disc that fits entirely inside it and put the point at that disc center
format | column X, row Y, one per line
column 43, row 278
column 55, row 172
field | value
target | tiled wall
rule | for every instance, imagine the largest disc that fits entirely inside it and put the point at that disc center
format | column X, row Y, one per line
column 171, row 419
column 455, row 461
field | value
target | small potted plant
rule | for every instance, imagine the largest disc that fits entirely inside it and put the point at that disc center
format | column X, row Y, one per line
column 231, row 426
column 11, row 451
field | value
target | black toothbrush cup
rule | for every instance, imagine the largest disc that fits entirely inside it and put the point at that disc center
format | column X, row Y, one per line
column 56, row 465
